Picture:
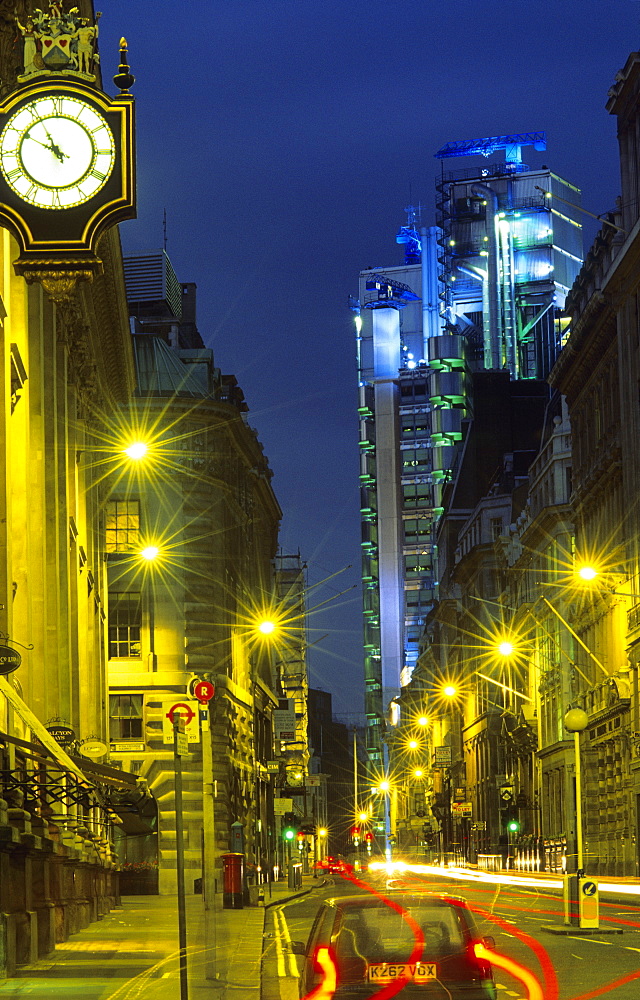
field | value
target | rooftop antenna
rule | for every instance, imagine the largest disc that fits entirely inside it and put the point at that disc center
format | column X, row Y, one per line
column 164, row 230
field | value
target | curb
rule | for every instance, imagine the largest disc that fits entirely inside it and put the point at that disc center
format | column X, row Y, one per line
column 568, row 929
column 294, row 895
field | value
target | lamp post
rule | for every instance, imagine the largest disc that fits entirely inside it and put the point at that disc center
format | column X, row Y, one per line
column 576, row 721
column 586, row 890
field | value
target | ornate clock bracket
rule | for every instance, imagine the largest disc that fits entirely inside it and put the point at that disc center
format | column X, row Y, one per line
column 60, row 284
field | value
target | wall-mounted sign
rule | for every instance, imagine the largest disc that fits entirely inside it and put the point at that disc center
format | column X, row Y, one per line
column 282, row 806
column 93, row 748
column 442, row 756
column 284, row 721
column 63, row 735
column 10, row 660
column 464, row 810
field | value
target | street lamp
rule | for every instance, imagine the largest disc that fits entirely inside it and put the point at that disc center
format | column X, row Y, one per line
column 586, row 889
column 576, row 721
column 136, row 451
column 266, row 627
column 587, row 573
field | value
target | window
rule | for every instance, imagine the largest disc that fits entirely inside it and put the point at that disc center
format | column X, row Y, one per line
column 416, row 530
column 496, row 527
column 416, row 460
column 417, row 564
column 123, row 525
column 417, row 495
column 125, row 722
column 125, row 620
column 414, row 425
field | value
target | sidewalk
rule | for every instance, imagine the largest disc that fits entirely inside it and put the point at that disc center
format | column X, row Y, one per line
column 132, row 953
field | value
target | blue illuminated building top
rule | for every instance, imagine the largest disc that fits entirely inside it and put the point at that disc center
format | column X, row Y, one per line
column 512, row 145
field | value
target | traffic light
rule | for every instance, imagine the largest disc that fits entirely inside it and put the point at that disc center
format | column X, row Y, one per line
column 513, row 825
column 289, row 827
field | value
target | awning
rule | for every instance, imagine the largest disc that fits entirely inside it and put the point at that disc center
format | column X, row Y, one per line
column 102, row 774
column 47, row 740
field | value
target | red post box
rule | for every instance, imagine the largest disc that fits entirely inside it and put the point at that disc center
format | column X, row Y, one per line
column 232, row 881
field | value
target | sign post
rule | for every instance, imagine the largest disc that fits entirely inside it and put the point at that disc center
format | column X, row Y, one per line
column 180, row 749
column 204, row 692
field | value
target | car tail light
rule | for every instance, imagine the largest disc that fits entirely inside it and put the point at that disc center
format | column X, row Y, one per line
column 479, row 958
column 324, row 965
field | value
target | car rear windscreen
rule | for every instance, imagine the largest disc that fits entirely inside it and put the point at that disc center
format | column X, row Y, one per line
column 381, row 934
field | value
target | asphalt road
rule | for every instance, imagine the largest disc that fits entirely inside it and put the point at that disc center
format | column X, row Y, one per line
column 569, row 967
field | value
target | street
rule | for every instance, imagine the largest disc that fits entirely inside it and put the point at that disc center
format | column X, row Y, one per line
column 569, row 967
column 132, row 952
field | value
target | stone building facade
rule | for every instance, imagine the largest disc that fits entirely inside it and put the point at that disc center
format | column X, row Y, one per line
column 203, row 497
column 67, row 367
column 599, row 373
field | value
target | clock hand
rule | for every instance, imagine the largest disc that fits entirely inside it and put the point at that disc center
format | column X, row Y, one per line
column 52, row 147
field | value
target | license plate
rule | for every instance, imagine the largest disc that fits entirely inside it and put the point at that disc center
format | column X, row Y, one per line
column 417, row 971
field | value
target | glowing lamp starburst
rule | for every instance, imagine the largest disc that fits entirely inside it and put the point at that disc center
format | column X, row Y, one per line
column 137, row 450
column 587, row 573
column 150, row 553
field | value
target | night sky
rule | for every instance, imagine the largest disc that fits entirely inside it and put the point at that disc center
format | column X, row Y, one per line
column 284, row 138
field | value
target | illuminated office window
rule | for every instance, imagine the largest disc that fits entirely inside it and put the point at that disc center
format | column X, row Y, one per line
column 125, row 722
column 125, row 622
column 123, row 525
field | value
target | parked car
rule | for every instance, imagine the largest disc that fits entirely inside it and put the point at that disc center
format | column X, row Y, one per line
column 372, row 943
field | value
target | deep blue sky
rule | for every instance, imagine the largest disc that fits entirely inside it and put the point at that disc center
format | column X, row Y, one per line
column 284, row 138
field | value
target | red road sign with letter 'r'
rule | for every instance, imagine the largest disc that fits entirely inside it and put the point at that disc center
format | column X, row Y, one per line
column 204, row 690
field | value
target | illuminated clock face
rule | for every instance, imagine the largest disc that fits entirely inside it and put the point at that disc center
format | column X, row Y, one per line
column 56, row 152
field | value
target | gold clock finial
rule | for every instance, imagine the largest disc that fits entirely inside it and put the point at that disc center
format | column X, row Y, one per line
column 124, row 78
